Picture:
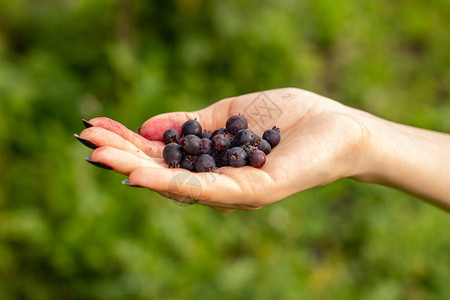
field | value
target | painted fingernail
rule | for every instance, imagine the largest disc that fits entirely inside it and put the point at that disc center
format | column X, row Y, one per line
column 87, row 124
column 98, row 164
column 138, row 131
column 86, row 142
column 127, row 182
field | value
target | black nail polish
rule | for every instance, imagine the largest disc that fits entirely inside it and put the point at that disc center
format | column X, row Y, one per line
column 127, row 182
column 86, row 142
column 138, row 131
column 98, row 164
column 87, row 124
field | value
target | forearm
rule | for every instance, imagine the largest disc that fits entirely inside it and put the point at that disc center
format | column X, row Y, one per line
column 411, row 159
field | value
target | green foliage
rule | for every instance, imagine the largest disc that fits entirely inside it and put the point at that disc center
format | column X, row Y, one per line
column 71, row 231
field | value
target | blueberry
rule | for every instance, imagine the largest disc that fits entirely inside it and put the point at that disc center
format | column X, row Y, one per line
column 257, row 158
column 191, row 144
column 221, row 142
column 191, row 127
column 236, row 123
column 264, row 146
column 188, row 162
column 170, row 136
column 206, row 135
column 237, row 157
column 173, row 154
column 207, row 146
column 243, row 137
column 272, row 136
column 205, row 163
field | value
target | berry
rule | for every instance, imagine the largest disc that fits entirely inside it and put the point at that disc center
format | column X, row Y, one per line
column 173, row 154
column 205, row 163
column 257, row 158
column 237, row 157
column 221, row 157
column 170, row 136
column 221, row 142
column 207, row 146
column 199, row 151
column 256, row 139
column 236, row 123
column 188, row 162
column 206, row 135
column 264, row 146
column 218, row 131
column 272, row 136
column 243, row 137
column 191, row 144
column 191, row 127
column 248, row 148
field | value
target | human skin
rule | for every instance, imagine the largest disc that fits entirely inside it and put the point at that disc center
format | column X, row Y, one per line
column 321, row 141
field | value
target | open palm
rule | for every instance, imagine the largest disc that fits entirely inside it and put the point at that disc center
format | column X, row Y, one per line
column 320, row 142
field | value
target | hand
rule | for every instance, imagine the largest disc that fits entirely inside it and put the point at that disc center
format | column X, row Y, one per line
column 321, row 141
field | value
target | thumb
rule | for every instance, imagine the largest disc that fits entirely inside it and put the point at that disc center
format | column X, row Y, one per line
column 153, row 129
column 211, row 118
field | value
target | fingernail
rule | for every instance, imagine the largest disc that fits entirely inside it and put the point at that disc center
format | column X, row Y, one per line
column 98, row 164
column 86, row 142
column 138, row 131
column 127, row 182
column 87, row 124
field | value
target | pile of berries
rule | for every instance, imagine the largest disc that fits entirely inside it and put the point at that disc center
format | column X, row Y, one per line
column 235, row 145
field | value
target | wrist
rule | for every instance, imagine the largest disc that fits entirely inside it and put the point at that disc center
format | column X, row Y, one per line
column 407, row 158
column 377, row 138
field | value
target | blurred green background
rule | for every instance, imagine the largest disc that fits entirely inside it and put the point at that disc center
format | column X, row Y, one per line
column 69, row 230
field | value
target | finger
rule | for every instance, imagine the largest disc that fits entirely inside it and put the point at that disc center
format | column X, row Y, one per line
column 103, row 137
column 150, row 148
column 122, row 161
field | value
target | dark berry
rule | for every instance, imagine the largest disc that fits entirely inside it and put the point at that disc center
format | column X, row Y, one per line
column 256, row 139
column 218, row 131
column 221, row 142
column 207, row 146
column 243, row 137
column 236, row 123
column 264, row 146
column 237, row 157
column 248, row 148
column 188, row 162
column 191, row 144
column 173, row 154
column 191, row 127
column 170, row 136
column 257, row 158
column 272, row 136
column 221, row 157
column 206, row 135
column 205, row 163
